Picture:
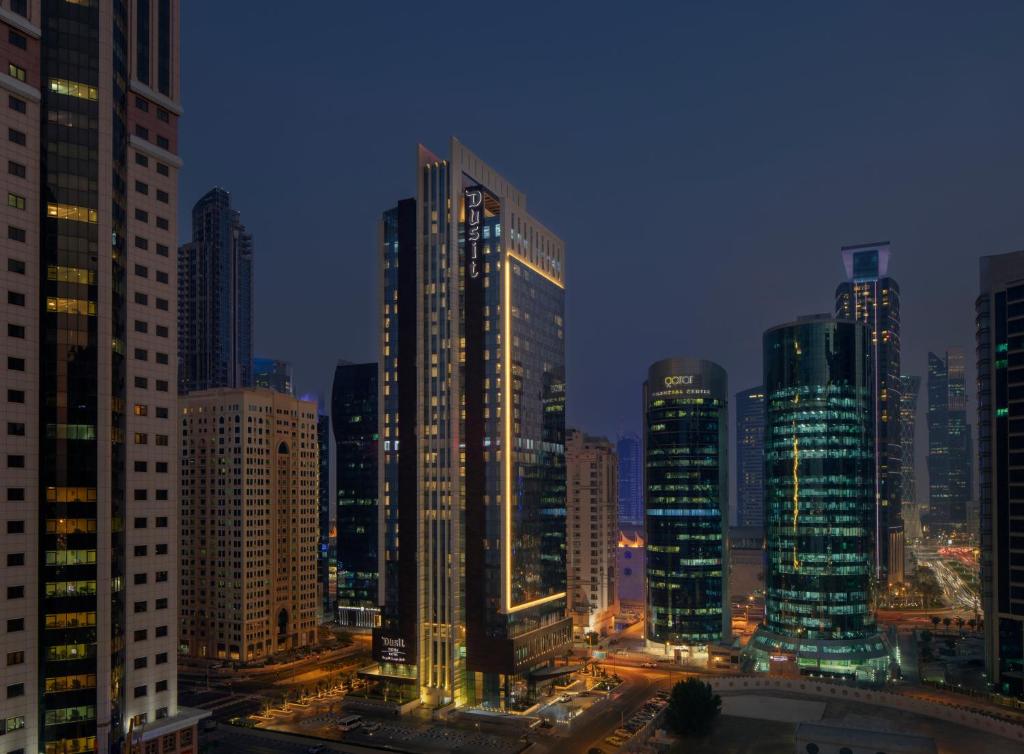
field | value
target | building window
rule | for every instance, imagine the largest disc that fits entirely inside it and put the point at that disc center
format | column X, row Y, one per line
column 15, row 690
column 16, row 71
column 162, row 169
column 15, row 559
column 17, row 429
column 16, row 234
column 15, row 396
column 15, row 624
column 17, row 104
column 16, row 331
column 14, row 363
column 16, row 136
column 141, row 187
column 141, row 159
column 16, row 169
column 142, row 48
column 16, row 39
column 16, row 265
column 15, row 462
column 15, row 299
column 142, row 132
column 163, row 142
column 15, row 592
column 162, row 196
column 140, row 691
column 15, row 658
column 15, row 201
column 20, row 7
column 163, row 47
column 162, row 223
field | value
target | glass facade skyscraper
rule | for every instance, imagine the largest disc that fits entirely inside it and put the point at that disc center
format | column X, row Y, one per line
column 910, row 388
column 472, row 432
column 871, row 297
column 949, row 439
column 1000, row 354
column 686, row 484
column 750, row 457
column 629, row 449
column 819, row 498
column 354, row 417
column 215, row 298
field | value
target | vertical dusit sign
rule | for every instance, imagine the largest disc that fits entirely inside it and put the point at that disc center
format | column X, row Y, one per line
column 474, row 222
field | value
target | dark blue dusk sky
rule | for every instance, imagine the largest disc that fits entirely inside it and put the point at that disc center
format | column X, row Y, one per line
column 704, row 161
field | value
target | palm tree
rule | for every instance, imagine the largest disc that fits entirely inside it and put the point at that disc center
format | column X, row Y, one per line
column 936, row 620
column 946, row 622
column 960, row 624
column 972, row 624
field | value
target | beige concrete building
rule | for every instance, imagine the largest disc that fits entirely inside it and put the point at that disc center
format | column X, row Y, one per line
column 249, row 532
column 592, row 529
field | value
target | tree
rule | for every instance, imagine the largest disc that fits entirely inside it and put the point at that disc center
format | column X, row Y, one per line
column 692, row 707
column 936, row 620
column 972, row 624
column 960, row 624
column 946, row 622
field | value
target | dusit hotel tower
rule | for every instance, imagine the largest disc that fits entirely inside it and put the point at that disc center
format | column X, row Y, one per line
column 472, row 435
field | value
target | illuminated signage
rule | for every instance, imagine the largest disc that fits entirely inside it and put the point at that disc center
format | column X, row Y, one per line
column 392, row 649
column 474, row 216
column 678, row 379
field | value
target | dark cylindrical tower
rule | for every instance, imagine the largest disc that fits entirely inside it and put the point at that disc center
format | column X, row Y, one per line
column 686, row 497
column 819, row 497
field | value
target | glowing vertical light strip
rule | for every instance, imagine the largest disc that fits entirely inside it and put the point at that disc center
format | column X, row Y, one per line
column 796, row 486
column 506, row 345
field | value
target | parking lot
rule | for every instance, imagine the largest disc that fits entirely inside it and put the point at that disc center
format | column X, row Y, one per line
column 642, row 720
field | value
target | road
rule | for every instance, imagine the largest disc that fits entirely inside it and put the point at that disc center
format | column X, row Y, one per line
column 956, row 593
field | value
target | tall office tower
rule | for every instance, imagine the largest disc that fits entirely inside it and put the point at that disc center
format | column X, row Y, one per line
column 215, row 298
column 273, row 374
column 630, row 450
column 325, row 559
column 750, row 458
column 686, row 484
column 249, row 498
column 354, row 412
column 819, row 499
column 87, row 435
column 910, row 388
column 592, row 531
column 473, row 429
column 1000, row 351
column 871, row 297
column 949, row 440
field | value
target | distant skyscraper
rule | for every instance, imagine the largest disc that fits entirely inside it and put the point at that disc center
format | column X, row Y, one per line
column 473, row 440
column 910, row 388
column 273, row 374
column 871, row 297
column 88, row 441
column 592, row 531
column 1000, row 351
column 354, row 414
column 248, row 581
column 325, row 565
column 819, row 498
column 215, row 298
column 750, row 458
column 631, row 480
column 686, row 466
column 949, row 440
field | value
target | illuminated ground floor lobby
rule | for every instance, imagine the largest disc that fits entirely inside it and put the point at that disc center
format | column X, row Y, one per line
column 866, row 659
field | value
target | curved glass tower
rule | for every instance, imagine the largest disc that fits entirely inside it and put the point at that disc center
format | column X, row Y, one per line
column 819, row 500
column 686, row 498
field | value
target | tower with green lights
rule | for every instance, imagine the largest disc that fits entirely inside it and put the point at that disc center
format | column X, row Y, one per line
column 819, row 501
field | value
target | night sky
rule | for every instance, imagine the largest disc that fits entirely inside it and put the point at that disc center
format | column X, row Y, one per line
column 703, row 164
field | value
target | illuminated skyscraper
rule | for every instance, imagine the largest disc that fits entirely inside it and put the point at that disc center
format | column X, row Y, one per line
column 910, row 388
column 819, row 498
column 88, row 437
column 354, row 417
column 750, row 458
column 1000, row 352
column 686, row 468
column 472, row 430
column 631, row 480
column 949, row 439
column 871, row 297
column 592, row 531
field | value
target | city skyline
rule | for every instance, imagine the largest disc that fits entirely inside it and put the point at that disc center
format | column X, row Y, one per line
column 796, row 211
